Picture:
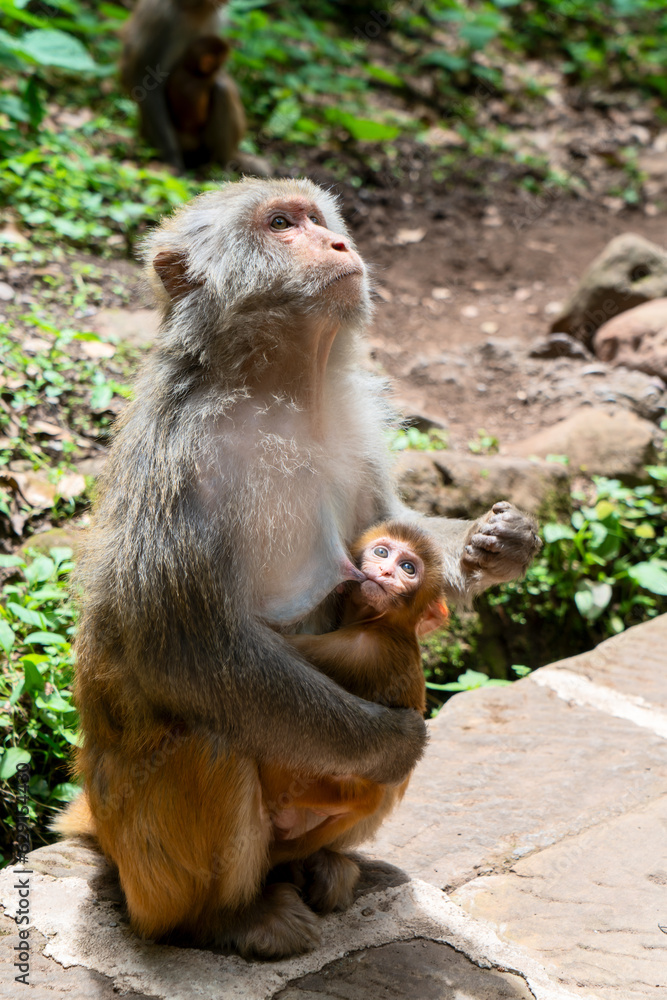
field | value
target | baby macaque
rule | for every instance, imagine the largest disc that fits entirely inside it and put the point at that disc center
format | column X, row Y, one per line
column 374, row 655
column 191, row 81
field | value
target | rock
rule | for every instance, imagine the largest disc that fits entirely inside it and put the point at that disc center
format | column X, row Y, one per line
column 137, row 327
column 629, row 271
column 636, row 339
column 455, row 484
column 558, row 345
column 617, row 445
column 512, row 770
column 55, row 538
column 564, row 385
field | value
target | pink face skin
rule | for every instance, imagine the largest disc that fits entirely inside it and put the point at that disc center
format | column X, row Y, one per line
column 392, row 569
column 299, row 223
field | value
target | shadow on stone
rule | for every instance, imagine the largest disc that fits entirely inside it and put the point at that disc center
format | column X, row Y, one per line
column 424, row 969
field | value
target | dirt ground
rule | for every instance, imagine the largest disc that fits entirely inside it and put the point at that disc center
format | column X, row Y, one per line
column 458, row 311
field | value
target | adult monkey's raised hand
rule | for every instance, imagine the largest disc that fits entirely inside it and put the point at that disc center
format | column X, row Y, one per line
column 252, row 457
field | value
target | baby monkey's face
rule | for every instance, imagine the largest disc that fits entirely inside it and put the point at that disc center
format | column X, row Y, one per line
column 392, row 569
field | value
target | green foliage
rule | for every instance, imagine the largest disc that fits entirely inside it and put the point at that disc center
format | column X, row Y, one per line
column 53, row 381
column 468, row 681
column 598, row 574
column 37, row 718
column 484, row 443
column 601, row 571
column 411, row 437
column 63, row 191
column 314, row 73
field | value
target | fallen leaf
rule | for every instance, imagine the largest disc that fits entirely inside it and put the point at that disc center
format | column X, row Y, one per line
column 97, row 349
column 405, row 236
column 436, row 136
column 70, row 486
column 37, row 491
column 43, row 427
column 7, row 293
column 10, row 234
column 36, row 345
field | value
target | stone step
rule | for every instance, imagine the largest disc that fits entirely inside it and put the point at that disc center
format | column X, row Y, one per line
column 529, row 859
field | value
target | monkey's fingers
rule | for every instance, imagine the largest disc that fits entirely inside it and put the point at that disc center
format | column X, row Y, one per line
column 487, row 542
column 501, row 506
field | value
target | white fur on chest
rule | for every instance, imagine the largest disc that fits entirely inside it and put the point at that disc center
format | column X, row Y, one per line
column 301, row 498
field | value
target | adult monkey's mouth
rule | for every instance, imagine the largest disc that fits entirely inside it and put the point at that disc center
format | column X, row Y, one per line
column 348, row 273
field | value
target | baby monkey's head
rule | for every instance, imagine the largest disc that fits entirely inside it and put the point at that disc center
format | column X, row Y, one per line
column 404, row 580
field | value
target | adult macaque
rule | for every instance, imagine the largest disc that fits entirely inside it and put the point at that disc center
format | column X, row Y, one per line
column 251, row 459
column 374, row 654
column 195, row 90
column 189, row 110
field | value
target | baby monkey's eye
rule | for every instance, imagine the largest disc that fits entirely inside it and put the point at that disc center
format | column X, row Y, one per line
column 316, row 219
column 408, row 568
column 280, row 222
column 380, row 551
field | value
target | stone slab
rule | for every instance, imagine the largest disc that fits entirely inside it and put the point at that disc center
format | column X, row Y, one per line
column 425, row 970
column 512, row 770
column 633, row 663
column 48, row 980
column 78, row 924
column 592, row 908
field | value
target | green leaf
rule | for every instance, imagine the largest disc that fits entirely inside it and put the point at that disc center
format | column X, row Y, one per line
column 592, row 598
column 283, row 117
column 557, row 532
column 7, row 636
column 39, row 569
column 67, row 791
column 364, row 129
column 100, row 397
column 54, row 702
column 61, row 555
column 8, row 562
column 651, row 576
column 645, row 530
column 598, row 535
column 27, row 616
column 32, row 679
column 10, row 758
column 46, row 639
column 603, row 509
column 383, row 75
column 56, row 48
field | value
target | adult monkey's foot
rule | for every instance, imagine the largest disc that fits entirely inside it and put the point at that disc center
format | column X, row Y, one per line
column 278, row 925
column 501, row 545
column 327, row 880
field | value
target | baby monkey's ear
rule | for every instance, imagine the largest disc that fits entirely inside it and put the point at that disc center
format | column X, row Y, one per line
column 171, row 266
column 434, row 617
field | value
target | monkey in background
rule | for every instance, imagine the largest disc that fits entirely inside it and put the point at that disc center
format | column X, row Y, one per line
column 189, row 110
column 375, row 655
column 251, row 458
column 194, row 86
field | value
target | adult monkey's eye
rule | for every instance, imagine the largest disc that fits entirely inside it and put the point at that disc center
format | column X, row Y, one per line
column 408, row 568
column 380, row 551
column 280, row 222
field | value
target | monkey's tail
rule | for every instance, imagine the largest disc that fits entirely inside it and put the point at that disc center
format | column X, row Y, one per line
column 76, row 820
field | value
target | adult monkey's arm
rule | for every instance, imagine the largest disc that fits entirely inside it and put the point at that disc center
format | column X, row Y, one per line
column 479, row 554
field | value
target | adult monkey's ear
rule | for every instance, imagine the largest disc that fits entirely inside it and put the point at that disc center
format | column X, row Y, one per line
column 171, row 267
